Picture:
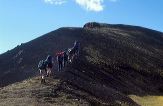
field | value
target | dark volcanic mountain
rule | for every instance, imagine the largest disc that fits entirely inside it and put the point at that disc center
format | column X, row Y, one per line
column 115, row 61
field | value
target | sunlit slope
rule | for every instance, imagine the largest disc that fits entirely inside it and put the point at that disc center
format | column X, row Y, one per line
column 148, row 100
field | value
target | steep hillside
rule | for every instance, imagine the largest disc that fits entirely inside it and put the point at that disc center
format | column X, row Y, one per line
column 115, row 61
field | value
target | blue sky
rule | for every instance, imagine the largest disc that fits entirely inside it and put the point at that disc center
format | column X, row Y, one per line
column 24, row 20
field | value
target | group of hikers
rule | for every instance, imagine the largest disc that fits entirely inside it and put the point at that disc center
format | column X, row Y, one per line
column 63, row 58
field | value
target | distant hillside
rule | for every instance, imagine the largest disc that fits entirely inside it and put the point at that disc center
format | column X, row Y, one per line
column 115, row 61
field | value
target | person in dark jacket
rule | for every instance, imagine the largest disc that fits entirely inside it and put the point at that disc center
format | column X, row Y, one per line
column 71, row 54
column 76, row 47
column 65, row 58
column 60, row 60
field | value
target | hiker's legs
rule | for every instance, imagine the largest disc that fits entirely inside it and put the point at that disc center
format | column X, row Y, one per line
column 42, row 73
column 70, row 58
column 61, row 65
column 64, row 62
column 48, row 72
column 76, row 54
column 64, row 65
column 58, row 66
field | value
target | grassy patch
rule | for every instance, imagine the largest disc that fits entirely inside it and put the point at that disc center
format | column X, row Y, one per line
column 148, row 100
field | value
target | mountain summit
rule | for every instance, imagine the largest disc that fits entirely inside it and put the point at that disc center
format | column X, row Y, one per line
column 116, row 63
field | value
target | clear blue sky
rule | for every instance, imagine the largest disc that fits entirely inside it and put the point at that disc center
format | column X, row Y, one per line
column 24, row 20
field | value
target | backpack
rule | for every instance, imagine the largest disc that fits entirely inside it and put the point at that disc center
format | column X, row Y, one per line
column 41, row 64
column 49, row 58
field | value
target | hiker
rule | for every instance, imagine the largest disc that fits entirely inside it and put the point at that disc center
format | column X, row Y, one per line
column 60, row 60
column 65, row 58
column 42, row 69
column 49, row 65
column 74, row 51
column 71, row 52
column 76, row 47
